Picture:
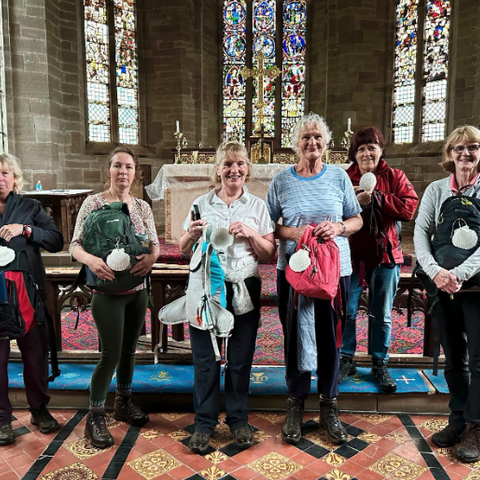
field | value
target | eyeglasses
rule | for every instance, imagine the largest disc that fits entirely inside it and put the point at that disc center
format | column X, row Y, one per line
column 471, row 148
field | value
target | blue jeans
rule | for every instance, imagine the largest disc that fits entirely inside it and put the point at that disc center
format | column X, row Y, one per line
column 382, row 286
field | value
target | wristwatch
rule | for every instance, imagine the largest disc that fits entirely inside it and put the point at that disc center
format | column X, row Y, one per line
column 344, row 229
column 27, row 231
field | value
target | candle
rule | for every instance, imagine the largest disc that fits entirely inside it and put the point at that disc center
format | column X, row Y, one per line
column 349, row 123
column 178, row 126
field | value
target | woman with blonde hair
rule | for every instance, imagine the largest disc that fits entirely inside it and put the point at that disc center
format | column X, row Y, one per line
column 229, row 205
column 25, row 226
column 457, row 311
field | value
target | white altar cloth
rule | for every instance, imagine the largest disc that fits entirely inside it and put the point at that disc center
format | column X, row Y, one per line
column 179, row 185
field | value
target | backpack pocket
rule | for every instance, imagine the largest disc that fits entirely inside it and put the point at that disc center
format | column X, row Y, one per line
column 12, row 324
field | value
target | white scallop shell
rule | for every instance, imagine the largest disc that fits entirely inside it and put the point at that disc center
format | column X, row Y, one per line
column 118, row 260
column 368, row 182
column 300, row 261
column 6, row 256
column 221, row 239
column 465, row 238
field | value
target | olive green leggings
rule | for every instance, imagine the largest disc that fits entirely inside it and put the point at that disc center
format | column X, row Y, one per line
column 119, row 320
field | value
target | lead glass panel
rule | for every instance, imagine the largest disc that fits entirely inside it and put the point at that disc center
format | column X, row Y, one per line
column 293, row 65
column 435, row 69
column 126, row 71
column 97, row 65
column 264, row 30
column 405, row 63
column 234, row 58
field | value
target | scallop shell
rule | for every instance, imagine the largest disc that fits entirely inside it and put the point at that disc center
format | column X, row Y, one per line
column 221, row 239
column 6, row 255
column 368, row 182
column 464, row 238
column 300, row 261
column 118, row 260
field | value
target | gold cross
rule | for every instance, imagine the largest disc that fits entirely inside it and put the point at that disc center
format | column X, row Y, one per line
column 260, row 73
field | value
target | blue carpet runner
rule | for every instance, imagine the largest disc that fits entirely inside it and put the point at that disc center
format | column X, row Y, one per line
column 265, row 380
column 438, row 381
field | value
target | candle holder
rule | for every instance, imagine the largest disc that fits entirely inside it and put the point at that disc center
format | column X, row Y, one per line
column 347, row 139
column 180, row 139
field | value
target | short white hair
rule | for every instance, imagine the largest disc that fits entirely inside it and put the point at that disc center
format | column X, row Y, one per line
column 308, row 121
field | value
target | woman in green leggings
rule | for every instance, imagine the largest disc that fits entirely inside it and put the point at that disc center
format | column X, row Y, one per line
column 119, row 318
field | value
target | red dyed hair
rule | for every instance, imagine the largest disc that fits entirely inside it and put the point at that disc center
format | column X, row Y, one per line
column 365, row 135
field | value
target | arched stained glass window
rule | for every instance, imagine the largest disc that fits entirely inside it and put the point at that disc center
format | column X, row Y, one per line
column 234, row 58
column 112, row 113
column 126, row 71
column 405, row 66
column 264, row 30
column 284, row 98
column 429, row 20
column 435, row 69
column 293, row 65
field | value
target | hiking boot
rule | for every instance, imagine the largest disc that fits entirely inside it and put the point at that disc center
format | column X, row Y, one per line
column 346, row 368
column 292, row 428
column 96, row 430
column 329, row 420
column 468, row 450
column 243, row 437
column 42, row 418
column 7, row 435
column 385, row 382
column 448, row 437
column 199, row 442
column 124, row 409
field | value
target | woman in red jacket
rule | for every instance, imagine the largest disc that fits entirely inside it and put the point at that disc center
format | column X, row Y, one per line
column 376, row 250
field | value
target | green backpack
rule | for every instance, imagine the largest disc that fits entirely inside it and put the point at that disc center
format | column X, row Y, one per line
column 105, row 229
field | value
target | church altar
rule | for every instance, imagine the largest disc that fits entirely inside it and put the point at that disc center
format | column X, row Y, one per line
column 180, row 184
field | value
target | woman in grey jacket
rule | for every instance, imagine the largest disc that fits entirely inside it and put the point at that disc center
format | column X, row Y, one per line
column 458, row 314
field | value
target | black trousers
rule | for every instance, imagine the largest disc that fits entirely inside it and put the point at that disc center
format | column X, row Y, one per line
column 459, row 323
column 326, row 320
column 34, row 349
column 241, row 347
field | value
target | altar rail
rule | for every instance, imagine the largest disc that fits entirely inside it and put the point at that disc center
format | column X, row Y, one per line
column 169, row 281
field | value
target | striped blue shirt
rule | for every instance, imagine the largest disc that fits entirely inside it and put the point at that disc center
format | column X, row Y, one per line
column 305, row 200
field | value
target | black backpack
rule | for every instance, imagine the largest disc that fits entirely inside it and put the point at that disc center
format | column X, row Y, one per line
column 105, row 229
column 24, row 306
column 456, row 212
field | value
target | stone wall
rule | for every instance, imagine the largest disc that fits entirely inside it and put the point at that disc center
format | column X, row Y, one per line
column 349, row 74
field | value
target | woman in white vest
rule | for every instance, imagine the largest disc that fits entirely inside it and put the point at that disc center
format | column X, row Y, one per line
column 245, row 218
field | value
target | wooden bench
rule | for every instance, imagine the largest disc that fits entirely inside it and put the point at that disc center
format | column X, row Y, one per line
column 167, row 281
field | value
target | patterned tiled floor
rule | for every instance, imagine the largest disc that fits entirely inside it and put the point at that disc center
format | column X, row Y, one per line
column 379, row 446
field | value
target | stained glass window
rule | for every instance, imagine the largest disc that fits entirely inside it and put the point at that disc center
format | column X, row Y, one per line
column 435, row 69
column 234, row 58
column 3, row 111
column 293, row 65
column 289, row 45
column 433, row 80
column 405, row 65
column 126, row 71
column 101, row 109
column 264, row 29
column 96, row 54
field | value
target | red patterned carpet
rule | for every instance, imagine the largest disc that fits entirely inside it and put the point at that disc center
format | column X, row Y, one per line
column 269, row 349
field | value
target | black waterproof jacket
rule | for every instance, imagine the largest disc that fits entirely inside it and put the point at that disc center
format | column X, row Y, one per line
column 45, row 234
